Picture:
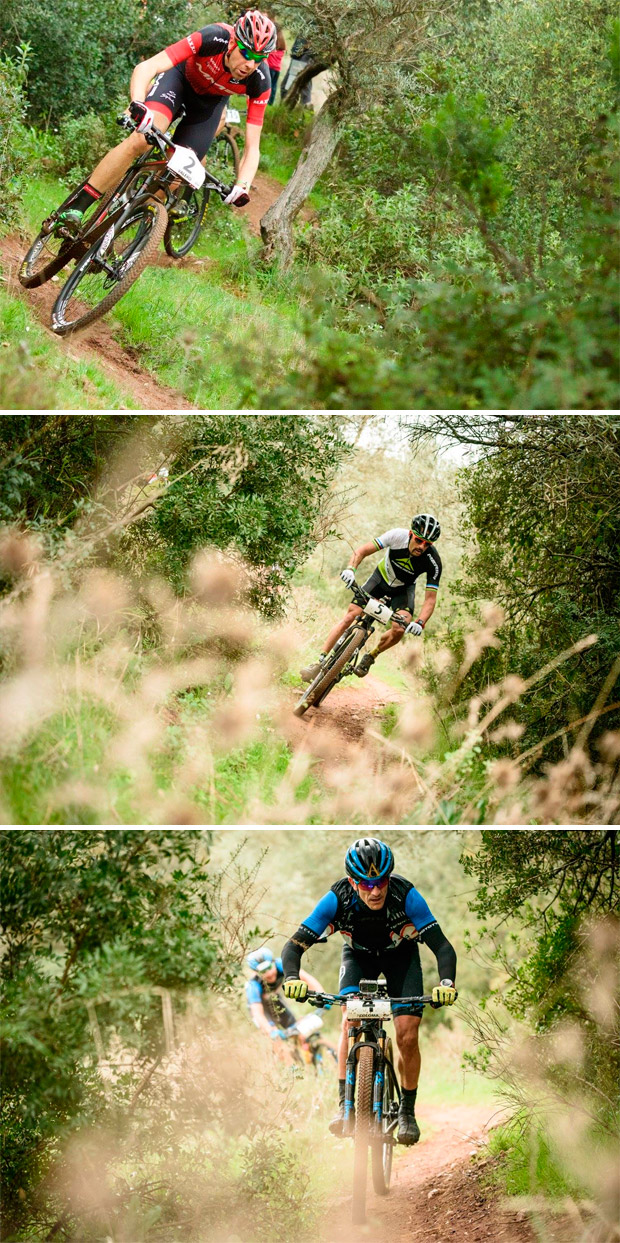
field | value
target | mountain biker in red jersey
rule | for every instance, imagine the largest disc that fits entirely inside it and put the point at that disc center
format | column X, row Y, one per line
column 196, row 75
column 382, row 918
column 408, row 554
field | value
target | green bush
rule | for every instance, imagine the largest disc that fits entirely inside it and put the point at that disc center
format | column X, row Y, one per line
column 13, row 153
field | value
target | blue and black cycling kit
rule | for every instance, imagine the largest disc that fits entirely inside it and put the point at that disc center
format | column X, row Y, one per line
column 266, row 994
column 376, row 941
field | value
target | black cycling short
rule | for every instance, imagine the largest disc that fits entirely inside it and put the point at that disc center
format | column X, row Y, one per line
column 198, row 128
column 397, row 597
column 401, row 967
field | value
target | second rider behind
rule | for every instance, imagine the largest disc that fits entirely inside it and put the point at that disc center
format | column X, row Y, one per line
column 382, row 917
column 195, row 75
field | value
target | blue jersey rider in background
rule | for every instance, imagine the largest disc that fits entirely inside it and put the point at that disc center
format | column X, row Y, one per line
column 382, row 918
column 263, row 993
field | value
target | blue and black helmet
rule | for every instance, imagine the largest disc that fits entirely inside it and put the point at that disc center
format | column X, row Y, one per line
column 260, row 960
column 369, row 859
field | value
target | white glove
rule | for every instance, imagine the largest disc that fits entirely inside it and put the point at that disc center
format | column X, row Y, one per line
column 238, row 196
column 414, row 628
column 348, row 577
column 142, row 114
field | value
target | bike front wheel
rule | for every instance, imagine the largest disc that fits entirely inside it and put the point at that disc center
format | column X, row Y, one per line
column 110, row 267
column 363, row 1121
column 324, row 680
column 383, row 1145
column 182, row 234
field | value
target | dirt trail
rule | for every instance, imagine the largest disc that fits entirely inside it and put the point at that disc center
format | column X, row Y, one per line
column 436, row 1195
column 97, row 343
column 352, row 707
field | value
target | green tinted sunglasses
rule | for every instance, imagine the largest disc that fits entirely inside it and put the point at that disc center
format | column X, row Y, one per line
column 248, row 55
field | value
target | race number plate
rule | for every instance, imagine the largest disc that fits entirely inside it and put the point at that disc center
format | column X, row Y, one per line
column 309, row 1024
column 375, row 608
column 232, row 116
column 186, row 163
column 368, row 1008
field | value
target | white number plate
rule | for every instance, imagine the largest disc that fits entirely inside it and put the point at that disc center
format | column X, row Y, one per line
column 375, row 608
column 373, row 1008
column 309, row 1024
column 232, row 116
column 186, row 163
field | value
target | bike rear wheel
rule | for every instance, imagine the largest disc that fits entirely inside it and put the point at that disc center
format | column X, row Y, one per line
column 363, row 1121
column 50, row 253
column 324, row 681
column 181, row 235
column 324, row 1057
column 383, row 1144
column 110, row 267
column 224, row 158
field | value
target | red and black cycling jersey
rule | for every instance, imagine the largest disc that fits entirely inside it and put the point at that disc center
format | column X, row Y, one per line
column 203, row 53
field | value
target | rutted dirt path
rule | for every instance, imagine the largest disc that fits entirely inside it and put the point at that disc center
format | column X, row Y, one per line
column 97, row 343
column 436, row 1195
column 343, row 718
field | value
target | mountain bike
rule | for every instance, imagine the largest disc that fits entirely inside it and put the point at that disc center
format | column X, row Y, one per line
column 344, row 656
column 309, row 1047
column 163, row 197
column 371, row 1119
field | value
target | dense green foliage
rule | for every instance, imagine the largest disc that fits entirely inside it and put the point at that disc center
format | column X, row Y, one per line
column 253, row 483
column 12, row 115
column 542, row 502
column 91, row 917
column 82, row 54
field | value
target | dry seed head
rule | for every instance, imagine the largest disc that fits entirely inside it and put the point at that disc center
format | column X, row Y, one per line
column 440, row 659
column 18, row 552
column 513, row 686
column 514, row 813
column 609, row 745
column 415, row 723
column 414, row 656
column 493, row 614
column 103, row 596
column 214, row 579
column 511, row 731
column 505, row 775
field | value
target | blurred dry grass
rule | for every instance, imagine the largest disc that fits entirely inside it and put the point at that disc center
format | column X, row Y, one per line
column 121, row 703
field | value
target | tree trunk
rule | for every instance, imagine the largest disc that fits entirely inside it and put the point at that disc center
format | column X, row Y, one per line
column 276, row 226
column 312, row 70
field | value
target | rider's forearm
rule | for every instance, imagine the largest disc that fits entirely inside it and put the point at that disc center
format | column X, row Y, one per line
column 293, row 950
column 360, row 554
column 428, row 608
column 444, row 952
column 249, row 165
column 144, row 73
column 259, row 1018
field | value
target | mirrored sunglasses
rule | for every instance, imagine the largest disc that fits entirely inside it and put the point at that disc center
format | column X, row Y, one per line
column 248, row 54
column 373, row 884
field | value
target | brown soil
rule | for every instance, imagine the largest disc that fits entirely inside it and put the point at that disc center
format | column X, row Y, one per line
column 438, row 1193
column 97, row 343
column 343, row 718
column 265, row 191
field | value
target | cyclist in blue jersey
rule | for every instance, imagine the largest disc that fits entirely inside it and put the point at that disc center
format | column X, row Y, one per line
column 382, row 918
column 264, row 994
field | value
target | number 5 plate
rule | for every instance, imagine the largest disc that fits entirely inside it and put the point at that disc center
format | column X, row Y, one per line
column 186, row 163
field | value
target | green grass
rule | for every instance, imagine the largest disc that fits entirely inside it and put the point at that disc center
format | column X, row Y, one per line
column 37, row 374
column 526, row 1164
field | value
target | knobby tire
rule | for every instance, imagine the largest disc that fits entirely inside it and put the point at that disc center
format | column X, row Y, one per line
column 173, row 245
column 159, row 218
column 35, row 269
column 323, row 682
column 363, row 1120
column 383, row 1145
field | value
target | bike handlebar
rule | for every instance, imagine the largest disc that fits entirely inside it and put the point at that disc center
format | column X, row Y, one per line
column 331, row 999
column 362, row 597
column 156, row 138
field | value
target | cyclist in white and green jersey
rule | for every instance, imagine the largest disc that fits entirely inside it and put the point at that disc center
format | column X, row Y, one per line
column 409, row 552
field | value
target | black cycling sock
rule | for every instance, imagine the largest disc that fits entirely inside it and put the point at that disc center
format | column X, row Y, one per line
column 85, row 197
column 408, row 1096
column 342, row 1084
